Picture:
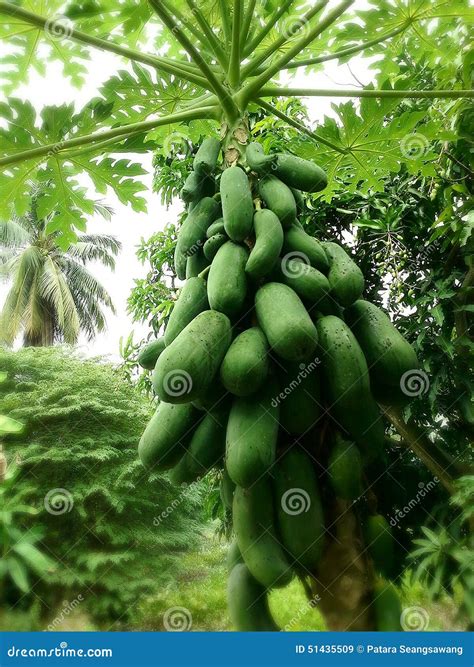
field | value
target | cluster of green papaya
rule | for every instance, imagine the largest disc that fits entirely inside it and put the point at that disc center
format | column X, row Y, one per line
column 269, row 346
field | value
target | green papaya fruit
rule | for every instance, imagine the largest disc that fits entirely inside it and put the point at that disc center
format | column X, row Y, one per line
column 165, row 439
column 257, row 160
column 217, row 227
column 186, row 368
column 345, row 469
column 285, row 322
column 252, row 433
column 213, row 244
column 299, row 397
column 268, row 244
column 299, row 173
column 299, row 199
column 299, row 511
column 234, row 557
column 387, row 607
column 226, row 489
column 309, row 283
column 214, row 397
column 279, row 199
column 192, row 188
column 245, row 366
column 192, row 234
column 227, row 281
column 380, row 544
column 195, row 264
column 347, row 387
column 237, row 203
column 254, row 525
column 150, row 352
column 180, row 263
column 205, row 160
column 389, row 355
column 205, row 450
column 297, row 243
column 248, row 604
column 192, row 300
column 345, row 277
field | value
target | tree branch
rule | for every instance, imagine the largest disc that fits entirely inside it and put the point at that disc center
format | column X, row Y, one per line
column 299, row 126
column 419, row 444
column 122, row 131
column 246, row 24
column 254, row 64
column 275, row 91
column 78, row 36
column 225, row 98
column 252, row 88
column 260, row 36
column 348, row 51
column 225, row 20
column 234, row 64
column 216, row 48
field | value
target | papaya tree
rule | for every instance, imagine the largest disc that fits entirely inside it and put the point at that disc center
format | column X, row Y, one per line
column 270, row 350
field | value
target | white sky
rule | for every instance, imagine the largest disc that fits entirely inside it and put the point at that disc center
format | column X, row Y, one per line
column 129, row 227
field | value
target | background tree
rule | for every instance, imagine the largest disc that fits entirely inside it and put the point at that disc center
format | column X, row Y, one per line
column 53, row 297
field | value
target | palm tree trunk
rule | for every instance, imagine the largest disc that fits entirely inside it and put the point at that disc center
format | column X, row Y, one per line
column 344, row 580
column 43, row 338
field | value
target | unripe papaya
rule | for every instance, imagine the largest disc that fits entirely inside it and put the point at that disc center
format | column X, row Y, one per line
column 379, row 542
column 192, row 235
column 297, row 243
column 248, row 604
column 205, row 160
column 251, row 439
column 279, row 199
column 345, row 277
column 257, row 160
column 216, row 396
column 299, row 199
column 192, row 300
column 255, row 532
column 387, row 607
column 299, row 173
column 227, row 281
column 389, row 355
column 195, row 264
column 213, row 244
column 347, row 387
column 309, row 283
column 217, row 227
column 150, row 352
column 186, row 368
column 299, row 398
column 164, row 440
column 245, row 365
column 192, row 188
column 285, row 322
column 299, row 510
column 180, row 263
column 226, row 489
column 237, row 203
column 345, row 469
column 268, row 244
column 234, row 557
column 205, row 450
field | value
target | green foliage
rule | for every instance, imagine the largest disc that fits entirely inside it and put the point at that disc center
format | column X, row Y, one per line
column 103, row 528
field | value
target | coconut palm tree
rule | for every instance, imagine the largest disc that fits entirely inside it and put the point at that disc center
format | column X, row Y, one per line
column 53, row 296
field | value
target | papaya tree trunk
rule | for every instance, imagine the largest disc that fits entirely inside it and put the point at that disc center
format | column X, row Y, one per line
column 344, row 580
